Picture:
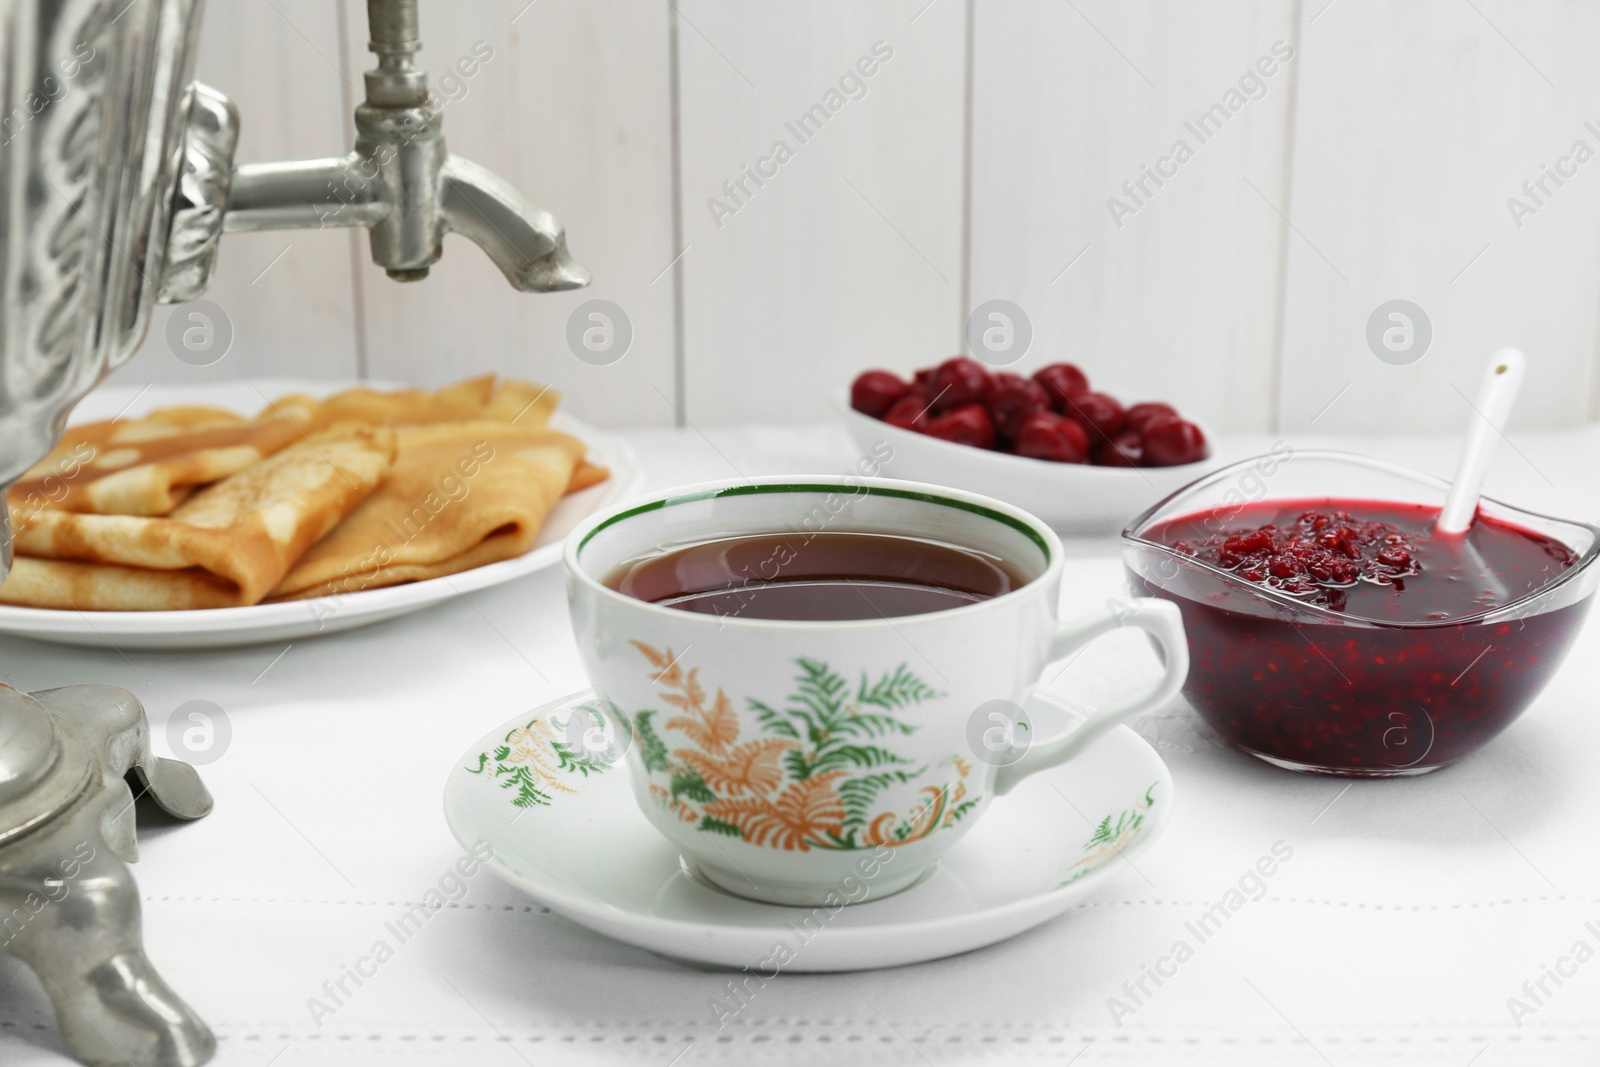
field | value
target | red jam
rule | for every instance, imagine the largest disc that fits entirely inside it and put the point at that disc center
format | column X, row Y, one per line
column 1320, row 557
column 1379, row 681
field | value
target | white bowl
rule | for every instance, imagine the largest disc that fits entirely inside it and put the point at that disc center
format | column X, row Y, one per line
column 1073, row 498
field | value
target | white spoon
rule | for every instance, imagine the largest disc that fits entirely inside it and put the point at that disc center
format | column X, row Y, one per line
column 1501, row 381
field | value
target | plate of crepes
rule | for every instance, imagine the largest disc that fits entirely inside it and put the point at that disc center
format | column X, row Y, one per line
column 248, row 514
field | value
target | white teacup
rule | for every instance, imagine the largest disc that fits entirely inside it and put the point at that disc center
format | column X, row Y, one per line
column 797, row 762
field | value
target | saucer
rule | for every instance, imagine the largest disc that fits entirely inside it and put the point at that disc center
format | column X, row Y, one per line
column 564, row 827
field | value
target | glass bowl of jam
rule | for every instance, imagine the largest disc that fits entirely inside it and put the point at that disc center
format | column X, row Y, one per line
column 1332, row 631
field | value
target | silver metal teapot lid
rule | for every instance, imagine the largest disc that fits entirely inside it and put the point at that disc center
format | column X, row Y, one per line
column 41, row 772
column 29, row 747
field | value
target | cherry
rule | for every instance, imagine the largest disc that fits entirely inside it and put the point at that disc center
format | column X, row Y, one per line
column 1320, row 554
column 1046, row 435
column 910, row 412
column 958, row 382
column 1015, row 398
column 1100, row 414
column 963, row 401
column 968, row 425
column 1394, row 556
column 1172, row 442
column 1124, row 450
column 1141, row 415
column 1062, row 381
column 874, row 392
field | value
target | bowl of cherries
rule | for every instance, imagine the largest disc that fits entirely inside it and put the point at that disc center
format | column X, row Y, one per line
column 1076, row 457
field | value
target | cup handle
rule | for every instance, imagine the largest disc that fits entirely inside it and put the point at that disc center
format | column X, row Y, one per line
column 1158, row 618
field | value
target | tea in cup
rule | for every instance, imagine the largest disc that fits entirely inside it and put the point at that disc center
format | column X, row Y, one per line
column 820, row 679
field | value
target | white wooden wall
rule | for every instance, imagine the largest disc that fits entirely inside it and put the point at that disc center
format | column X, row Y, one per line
column 1375, row 164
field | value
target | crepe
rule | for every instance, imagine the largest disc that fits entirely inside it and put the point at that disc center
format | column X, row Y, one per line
column 587, row 474
column 461, row 494
column 525, row 404
column 161, row 423
column 65, row 584
column 148, row 466
column 227, row 545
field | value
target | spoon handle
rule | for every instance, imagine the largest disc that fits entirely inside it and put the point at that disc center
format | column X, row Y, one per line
column 1502, row 379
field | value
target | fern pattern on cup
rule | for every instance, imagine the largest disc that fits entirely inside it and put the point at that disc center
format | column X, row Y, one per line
column 812, row 778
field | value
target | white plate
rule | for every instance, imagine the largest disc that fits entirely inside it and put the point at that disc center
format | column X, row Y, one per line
column 583, row 849
column 295, row 620
column 1073, row 498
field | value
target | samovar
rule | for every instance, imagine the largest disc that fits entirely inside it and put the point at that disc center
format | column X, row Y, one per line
column 117, row 183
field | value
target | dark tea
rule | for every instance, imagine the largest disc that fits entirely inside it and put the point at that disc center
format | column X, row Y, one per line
column 818, row 577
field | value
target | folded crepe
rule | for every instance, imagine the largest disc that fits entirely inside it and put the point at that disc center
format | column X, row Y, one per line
column 148, row 466
column 460, row 494
column 586, row 475
column 162, row 422
column 82, row 442
column 227, row 545
column 524, row 404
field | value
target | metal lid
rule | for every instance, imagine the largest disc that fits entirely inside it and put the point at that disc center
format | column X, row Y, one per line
column 44, row 764
column 29, row 747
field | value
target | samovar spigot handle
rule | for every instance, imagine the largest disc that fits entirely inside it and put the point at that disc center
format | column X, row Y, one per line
column 395, row 36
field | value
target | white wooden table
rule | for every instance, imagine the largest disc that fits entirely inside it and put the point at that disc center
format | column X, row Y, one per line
column 1409, row 914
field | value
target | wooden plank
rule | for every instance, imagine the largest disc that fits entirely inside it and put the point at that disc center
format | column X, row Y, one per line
column 573, row 107
column 1174, row 294
column 1416, row 124
column 289, row 296
column 848, row 254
